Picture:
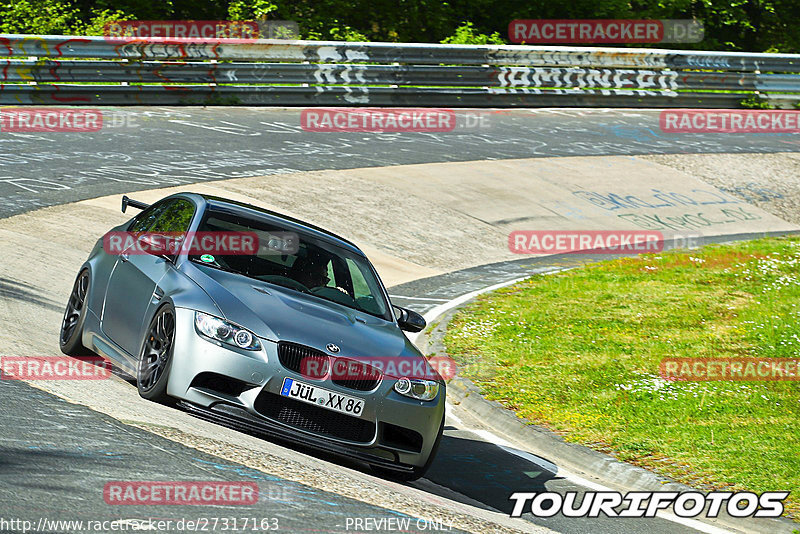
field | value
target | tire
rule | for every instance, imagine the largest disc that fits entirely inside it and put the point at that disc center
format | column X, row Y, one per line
column 69, row 338
column 155, row 357
column 417, row 472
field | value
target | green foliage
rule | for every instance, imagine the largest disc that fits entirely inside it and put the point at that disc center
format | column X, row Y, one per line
column 466, row 34
column 752, row 25
column 755, row 102
column 100, row 18
column 250, row 9
column 47, row 17
column 346, row 33
column 338, row 32
column 55, row 17
column 581, row 351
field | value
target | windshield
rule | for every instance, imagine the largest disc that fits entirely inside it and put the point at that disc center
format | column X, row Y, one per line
column 295, row 261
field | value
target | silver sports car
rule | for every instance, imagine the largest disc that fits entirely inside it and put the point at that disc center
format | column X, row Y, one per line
column 263, row 322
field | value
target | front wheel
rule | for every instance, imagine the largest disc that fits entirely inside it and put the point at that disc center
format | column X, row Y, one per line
column 417, row 472
column 155, row 359
column 69, row 339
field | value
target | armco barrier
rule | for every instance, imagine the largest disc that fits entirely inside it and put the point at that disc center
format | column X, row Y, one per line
column 76, row 70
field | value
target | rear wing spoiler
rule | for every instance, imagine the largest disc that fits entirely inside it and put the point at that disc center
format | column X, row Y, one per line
column 133, row 203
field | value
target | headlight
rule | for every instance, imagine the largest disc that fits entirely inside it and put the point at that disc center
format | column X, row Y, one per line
column 226, row 332
column 417, row 388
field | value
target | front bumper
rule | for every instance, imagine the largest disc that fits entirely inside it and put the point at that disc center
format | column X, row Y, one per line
column 241, row 388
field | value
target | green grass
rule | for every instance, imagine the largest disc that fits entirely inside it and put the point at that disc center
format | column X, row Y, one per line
column 579, row 352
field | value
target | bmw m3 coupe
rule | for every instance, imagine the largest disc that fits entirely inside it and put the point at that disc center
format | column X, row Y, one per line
column 263, row 322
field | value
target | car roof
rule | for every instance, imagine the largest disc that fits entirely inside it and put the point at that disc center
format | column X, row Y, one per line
column 248, row 209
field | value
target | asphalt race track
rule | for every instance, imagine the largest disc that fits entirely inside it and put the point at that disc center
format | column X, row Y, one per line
column 156, row 147
column 55, row 455
column 77, row 448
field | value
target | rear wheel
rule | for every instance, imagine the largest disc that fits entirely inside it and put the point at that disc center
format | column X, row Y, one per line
column 69, row 339
column 155, row 359
column 417, row 472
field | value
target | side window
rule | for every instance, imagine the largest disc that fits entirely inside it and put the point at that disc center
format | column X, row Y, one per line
column 360, row 288
column 176, row 218
column 362, row 293
column 145, row 220
column 331, row 275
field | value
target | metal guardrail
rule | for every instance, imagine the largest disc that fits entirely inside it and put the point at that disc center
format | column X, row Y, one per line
column 99, row 70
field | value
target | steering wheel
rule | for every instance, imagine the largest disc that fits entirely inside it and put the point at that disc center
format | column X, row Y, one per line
column 334, row 294
column 284, row 281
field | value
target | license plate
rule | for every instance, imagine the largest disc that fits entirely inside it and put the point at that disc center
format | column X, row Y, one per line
column 322, row 397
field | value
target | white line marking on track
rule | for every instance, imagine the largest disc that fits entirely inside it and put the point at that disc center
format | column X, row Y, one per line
column 436, row 311
column 448, row 410
column 418, row 298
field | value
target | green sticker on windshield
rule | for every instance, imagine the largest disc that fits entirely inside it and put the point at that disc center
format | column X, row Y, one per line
column 208, row 258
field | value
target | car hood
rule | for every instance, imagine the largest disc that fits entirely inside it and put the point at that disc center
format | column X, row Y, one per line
column 280, row 314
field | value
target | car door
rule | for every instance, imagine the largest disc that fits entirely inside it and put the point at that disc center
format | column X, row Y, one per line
column 133, row 286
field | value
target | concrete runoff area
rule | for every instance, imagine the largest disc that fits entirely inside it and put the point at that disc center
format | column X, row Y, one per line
column 420, row 220
column 413, row 221
column 769, row 181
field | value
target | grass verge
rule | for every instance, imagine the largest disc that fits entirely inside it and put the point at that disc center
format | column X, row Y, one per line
column 579, row 352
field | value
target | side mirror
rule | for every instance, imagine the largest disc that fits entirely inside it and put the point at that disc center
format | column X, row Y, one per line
column 409, row 320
